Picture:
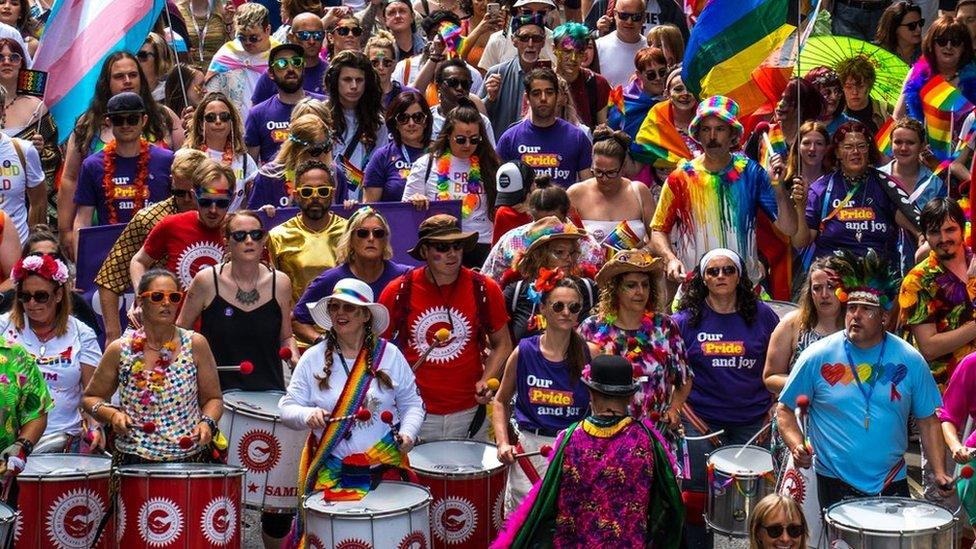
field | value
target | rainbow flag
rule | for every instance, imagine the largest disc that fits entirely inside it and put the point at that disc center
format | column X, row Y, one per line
column 616, row 100
column 354, row 175
column 658, row 141
column 883, row 138
column 622, row 238
column 941, row 103
column 452, row 35
column 31, row 82
column 778, row 141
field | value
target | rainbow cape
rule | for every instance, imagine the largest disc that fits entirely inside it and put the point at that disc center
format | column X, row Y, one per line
column 628, row 111
column 232, row 56
column 883, row 138
column 658, row 141
column 941, row 103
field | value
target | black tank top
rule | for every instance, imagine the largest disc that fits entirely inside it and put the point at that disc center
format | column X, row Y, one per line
column 235, row 335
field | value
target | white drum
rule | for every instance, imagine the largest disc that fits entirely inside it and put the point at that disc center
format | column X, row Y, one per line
column 395, row 514
column 7, row 518
column 736, row 483
column 267, row 450
column 801, row 485
column 890, row 523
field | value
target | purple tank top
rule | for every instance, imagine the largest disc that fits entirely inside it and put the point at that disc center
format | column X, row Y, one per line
column 545, row 398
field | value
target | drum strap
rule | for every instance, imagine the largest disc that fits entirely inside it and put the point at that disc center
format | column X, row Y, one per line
column 699, row 424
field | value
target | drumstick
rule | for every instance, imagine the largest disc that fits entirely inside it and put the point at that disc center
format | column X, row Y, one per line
column 965, row 473
column 441, row 336
column 361, row 414
column 490, row 386
column 284, row 353
column 803, row 403
column 387, row 417
column 245, row 367
column 543, row 451
column 753, row 439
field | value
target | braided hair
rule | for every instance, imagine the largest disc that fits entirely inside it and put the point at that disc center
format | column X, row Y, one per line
column 369, row 342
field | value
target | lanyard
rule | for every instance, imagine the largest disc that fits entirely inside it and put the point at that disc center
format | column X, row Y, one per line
column 866, row 393
column 843, row 204
column 201, row 35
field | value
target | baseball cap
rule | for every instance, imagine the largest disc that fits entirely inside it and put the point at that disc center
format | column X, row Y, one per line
column 125, row 102
column 513, row 180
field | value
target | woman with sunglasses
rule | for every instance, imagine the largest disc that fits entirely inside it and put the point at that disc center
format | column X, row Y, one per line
column 410, row 123
column 167, row 413
column 554, row 361
column 645, row 88
column 345, row 34
column 900, row 30
column 777, row 522
column 380, row 49
column 461, row 165
column 216, row 129
column 273, row 184
column 154, row 58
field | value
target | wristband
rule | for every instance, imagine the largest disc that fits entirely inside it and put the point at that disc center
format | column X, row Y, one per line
column 210, row 423
column 27, row 445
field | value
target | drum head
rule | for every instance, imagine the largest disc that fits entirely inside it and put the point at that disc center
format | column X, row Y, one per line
column 388, row 498
column 781, row 308
column 455, row 457
column 264, row 403
column 179, row 470
column 65, row 465
column 888, row 514
column 7, row 514
column 752, row 461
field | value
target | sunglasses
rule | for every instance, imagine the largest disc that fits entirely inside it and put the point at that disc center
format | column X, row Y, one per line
column 159, row 297
column 444, row 247
column 385, row 62
column 377, row 233
column 145, row 55
column 914, row 24
column 345, row 31
column 417, row 117
column 462, row 140
column 182, row 194
column 334, row 306
column 574, row 308
column 457, row 83
column 661, row 74
column 205, row 203
column 282, row 62
column 944, row 41
column 240, row 236
column 126, row 119
column 776, row 530
column 13, row 58
column 527, row 37
column 309, row 192
column 624, row 16
column 213, row 116
column 305, row 36
column 251, row 38
column 40, row 297
column 727, row 270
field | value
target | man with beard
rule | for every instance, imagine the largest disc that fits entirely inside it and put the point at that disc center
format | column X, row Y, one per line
column 308, row 32
column 503, row 89
column 711, row 201
column 305, row 245
column 266, row 127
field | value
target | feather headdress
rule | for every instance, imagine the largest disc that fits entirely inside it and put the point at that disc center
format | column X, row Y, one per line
column 865, row 280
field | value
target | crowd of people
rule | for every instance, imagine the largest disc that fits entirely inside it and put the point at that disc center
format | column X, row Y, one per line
column 615, row 282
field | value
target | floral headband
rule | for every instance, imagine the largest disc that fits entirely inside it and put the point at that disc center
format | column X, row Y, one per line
column 544, row 283
column 44, row 266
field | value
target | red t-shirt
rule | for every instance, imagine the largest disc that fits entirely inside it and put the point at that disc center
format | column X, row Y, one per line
column 446, row 380
column 506, row 219
column 186, row 245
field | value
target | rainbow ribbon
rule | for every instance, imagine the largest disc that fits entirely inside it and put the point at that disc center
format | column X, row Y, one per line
column 883, row 138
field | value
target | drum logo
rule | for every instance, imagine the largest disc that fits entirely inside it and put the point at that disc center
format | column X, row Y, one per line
column 429, row 322
column 414, row 540
column 73, row 518
column 353, row 544
column 18, row 526
column 160, row 522
column 498, row 511
column 794, row 485
column 259, row 451
column 453, row 519
column 314, row 542
column 219, row 521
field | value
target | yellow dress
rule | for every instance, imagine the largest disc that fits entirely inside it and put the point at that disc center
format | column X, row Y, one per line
column 303, row 254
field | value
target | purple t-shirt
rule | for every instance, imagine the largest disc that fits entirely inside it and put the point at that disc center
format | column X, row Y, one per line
column 560, row 150
column 267, row 126
column 91, row 191
column 545, row 397
column 313, row 80
column 388, row 169
column 869, row 213
column 728, row 357
column 323, row 284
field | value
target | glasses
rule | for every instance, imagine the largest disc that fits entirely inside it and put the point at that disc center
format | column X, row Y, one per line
column 182, row 194
column 213, row 116
column 305, row 36
column 240, row 236
column 569, row 54
column 659, row 74
column 41, row 297
column 384, row 62
column 344, row 31
column 462, row 140
column 727, row 270
column 318, row 192
column 565, row 254
column 417, row 117
column 457, row 83
column 574, row 308
column 282, row 62
column 13, row 58
column 334, row 306
column 159, row 297
column 126, row 119
column 624, row 16
column 205, row 203
column 530, row 37
column 944, row 41
column 860, row 147
column 444, row 247
column 776, row 530
column 314, row 149
column 377, row 233
column 605, row 174
column 914, row 24
column 249, row 38
column 145, row 55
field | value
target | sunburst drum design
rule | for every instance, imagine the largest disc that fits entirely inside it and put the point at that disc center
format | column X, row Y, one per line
column 393, row 516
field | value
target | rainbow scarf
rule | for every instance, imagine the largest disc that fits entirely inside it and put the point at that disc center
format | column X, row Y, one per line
column 941, row 101
column 349, row 479
column 313, row 461
column 658, row 141
column 883, row 138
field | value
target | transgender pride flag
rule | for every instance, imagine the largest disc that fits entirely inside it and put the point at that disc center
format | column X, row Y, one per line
column 79, row 35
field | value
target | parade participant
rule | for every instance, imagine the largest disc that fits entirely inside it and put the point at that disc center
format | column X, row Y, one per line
column 663, row 138
column 515, row 180
column 345, row 34
column 362, row 252
column 154, row 59
column 828, row 85
column 626, row 324
column 505, row 83
column 499, row 48
column 669, row 39
column 306, row 245
column 855, row 207
column 113, row 277
column 185, row 403
column 401, row 22
column 191, row 240
column 410, row 124
column 64, row 349
column 541, row 366
column 380, row 51
column 799, row 103
column 454, row 87
column 308, row 140
column 23, row 179
column 216, row 129
column 578, row 504
column 461, row 165
column 452, row 377
column 857, row 76
column 777, row 522
column 643, row 89
column 900, row 30
column 858, row 433
column 290, row 12
column 17, row 14
column 211, row 25
column 373, row 376
column 308, row 33
column 618, row 48
column 481, row 25
column 591, row 91
column 720, row 310
column 184, row 87
column 806, row 161
column 238, row 64
column 720, row 179
column 417, row 71
column 551, row 146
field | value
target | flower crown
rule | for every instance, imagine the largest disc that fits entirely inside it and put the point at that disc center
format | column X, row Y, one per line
column 44, row 266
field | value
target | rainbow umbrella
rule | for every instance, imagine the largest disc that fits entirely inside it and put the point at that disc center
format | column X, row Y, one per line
column 829, row 51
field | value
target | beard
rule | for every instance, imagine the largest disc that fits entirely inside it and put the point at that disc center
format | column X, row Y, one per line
column 314, row 211
column 289, row 86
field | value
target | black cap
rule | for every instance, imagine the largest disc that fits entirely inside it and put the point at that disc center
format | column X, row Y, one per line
column 125, row 102
column 285, row 47
column 612, row 375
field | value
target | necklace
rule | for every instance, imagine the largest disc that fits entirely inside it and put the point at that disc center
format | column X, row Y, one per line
column 43, row 336
column 473, row 187
column 866, row 393
column 3, row 119
column 150, row 381
column 249, row 297
column 140, row 193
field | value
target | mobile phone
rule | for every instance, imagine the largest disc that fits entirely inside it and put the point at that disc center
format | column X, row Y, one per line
column 543, row 64
column 493, row 8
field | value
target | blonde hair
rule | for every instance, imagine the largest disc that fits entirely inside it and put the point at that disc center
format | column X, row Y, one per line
column 381, row 39
column 317, row 107
column 210, row 170
column 671, row 41
column 344, row 251
column 769, row 506
column 162, row 61
column 185, row 161
column 251, row 14
column 304, row 128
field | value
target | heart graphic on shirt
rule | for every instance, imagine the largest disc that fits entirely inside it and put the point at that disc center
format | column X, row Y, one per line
column 832, row 373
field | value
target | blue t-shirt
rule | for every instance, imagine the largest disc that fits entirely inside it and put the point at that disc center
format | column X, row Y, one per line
column 91, row 191
column 324, row 283
column 388, row 169
column 313, row 81
column 545, row 398
column 560, row 150
column 727, row 356
column 901, row 386
column 267, row 126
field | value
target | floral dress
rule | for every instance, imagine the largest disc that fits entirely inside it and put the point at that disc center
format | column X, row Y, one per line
column 24, row 396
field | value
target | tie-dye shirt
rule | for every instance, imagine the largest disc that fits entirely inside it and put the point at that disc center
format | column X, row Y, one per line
column 704, row 210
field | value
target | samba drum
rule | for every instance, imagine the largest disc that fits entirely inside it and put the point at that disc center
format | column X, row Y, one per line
column 186, row 505
column 7, row 520
column 62, row 500
column 801, row 485
column 781, row 308
column 889, row 522
column 468, row 484
column 736, row 483
column 395, row 514
column 266, row 449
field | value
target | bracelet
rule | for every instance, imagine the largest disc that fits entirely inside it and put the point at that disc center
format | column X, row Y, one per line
column 27, row 445
column 210, row 423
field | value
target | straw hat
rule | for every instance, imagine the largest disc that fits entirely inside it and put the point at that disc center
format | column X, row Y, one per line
column 629, row 261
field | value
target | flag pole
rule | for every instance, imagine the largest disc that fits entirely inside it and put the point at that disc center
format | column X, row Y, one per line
column 799, row 111
column 176, row 56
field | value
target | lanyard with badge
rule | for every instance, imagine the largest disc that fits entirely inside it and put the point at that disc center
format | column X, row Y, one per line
column 866, row 393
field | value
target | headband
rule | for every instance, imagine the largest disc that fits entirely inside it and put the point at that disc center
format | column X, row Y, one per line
column 720, row 252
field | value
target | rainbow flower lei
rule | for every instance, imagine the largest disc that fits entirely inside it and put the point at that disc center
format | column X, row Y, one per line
column 636, row 348
column 695, row 168
column 471, row 199
column 150, row 381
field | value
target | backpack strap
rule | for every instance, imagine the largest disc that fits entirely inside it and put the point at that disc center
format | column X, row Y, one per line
column 20, row 154
column 401, row 309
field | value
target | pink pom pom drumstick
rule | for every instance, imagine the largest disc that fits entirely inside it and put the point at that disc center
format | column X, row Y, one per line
column 361, row 414
column 543, row 451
